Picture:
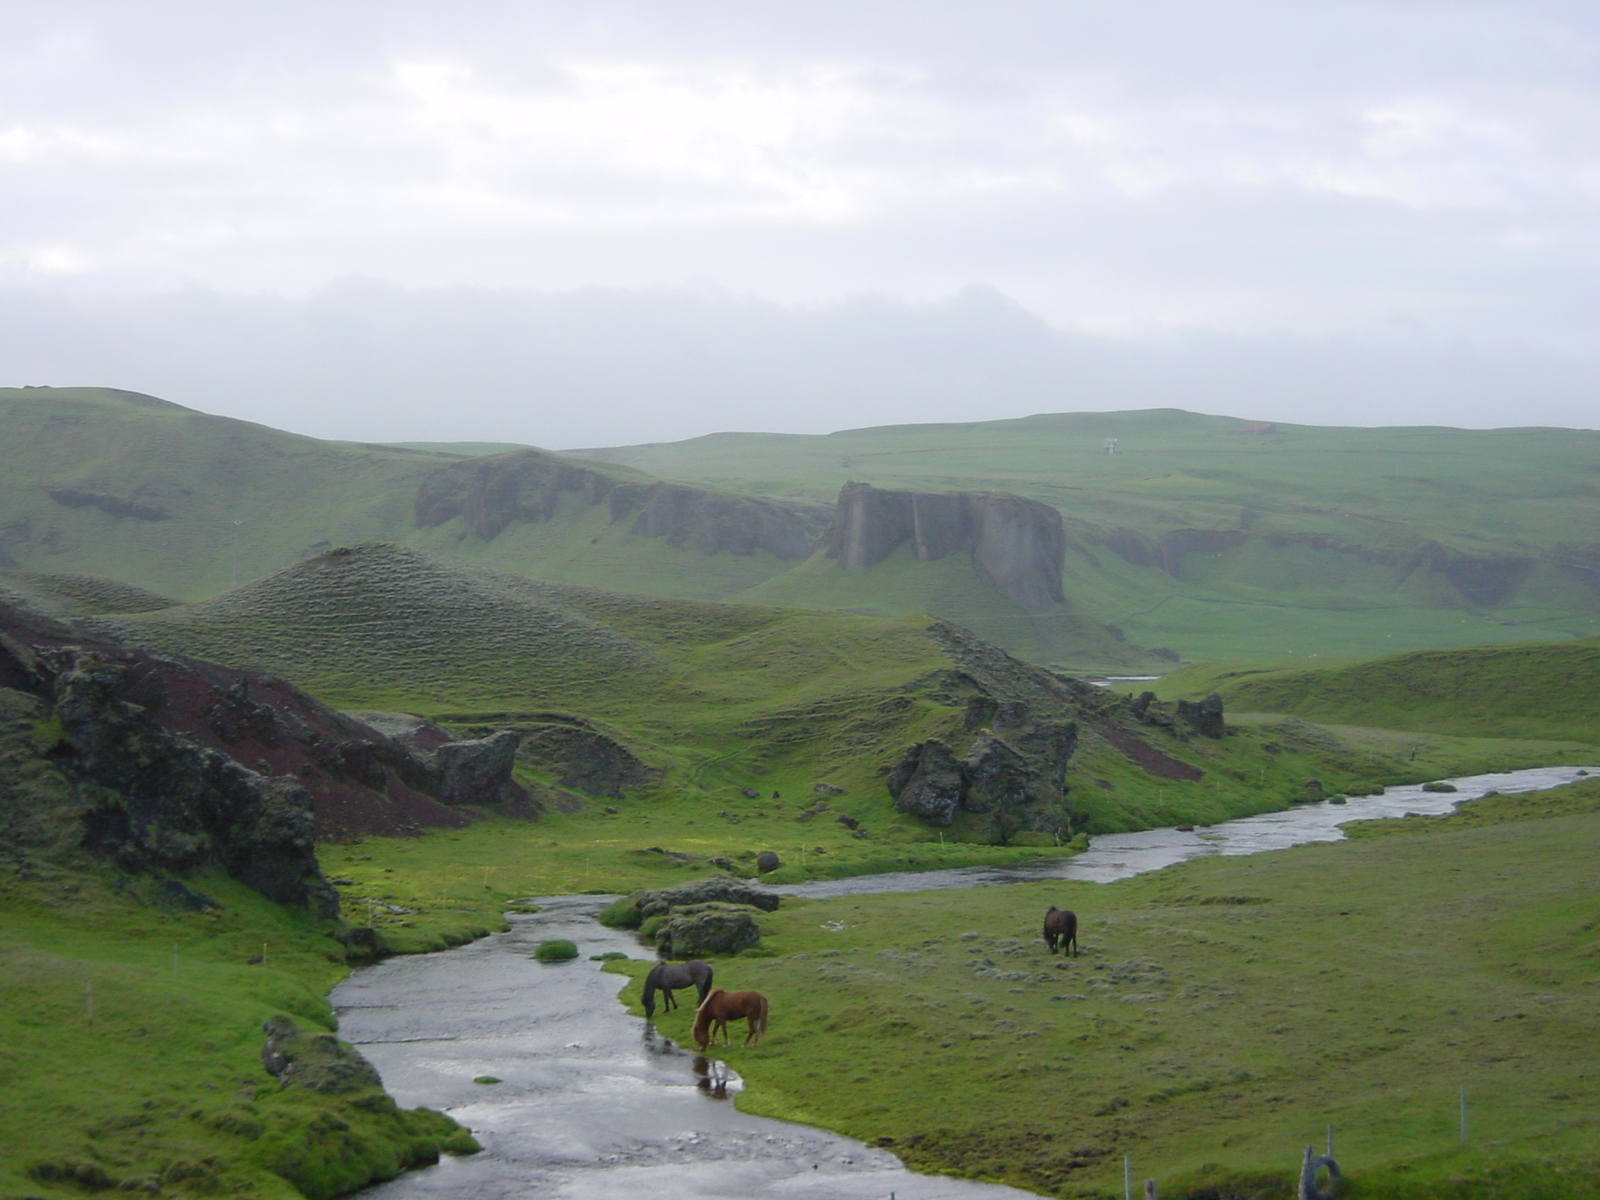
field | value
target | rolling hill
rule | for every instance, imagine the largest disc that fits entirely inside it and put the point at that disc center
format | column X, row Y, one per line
column 1204, row 537
column 1537, row 691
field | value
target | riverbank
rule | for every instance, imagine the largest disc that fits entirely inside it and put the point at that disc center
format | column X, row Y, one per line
column 1224, row 1013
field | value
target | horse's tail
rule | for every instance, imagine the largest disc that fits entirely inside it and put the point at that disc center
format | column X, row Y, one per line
column 760, row 1020
column 705, row 984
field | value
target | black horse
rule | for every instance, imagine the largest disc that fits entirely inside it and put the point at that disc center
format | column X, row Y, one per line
column 1061, row 930
column 664, row 977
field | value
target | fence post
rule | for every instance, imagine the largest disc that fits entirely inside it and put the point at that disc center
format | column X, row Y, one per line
column 1463, row 1116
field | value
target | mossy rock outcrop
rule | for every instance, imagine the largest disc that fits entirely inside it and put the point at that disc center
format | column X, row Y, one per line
column 702, row 929
column 633, row 911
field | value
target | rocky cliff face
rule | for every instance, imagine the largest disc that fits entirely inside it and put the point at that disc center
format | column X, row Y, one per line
column 1482, row 581
column 164, row 765
column 1018, row 542
column 491, row 493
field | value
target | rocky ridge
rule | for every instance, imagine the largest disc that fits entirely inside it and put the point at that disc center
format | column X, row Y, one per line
column 167, row 766
column 491, row 493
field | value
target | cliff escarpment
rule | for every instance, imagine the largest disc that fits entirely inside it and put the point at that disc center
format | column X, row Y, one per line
column 1485, row 580
column 489, row 494
column 1019, row 543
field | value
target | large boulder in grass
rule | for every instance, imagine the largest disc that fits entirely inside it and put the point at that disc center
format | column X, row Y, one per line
column 707, row 929
column 718, row 889
column 927, row 783
column 1204, row 716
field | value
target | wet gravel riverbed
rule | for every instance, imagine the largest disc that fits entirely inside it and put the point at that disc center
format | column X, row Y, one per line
column 593, row 1105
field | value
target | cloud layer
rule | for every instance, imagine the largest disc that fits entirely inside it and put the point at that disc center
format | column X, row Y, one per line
column 1262, row 173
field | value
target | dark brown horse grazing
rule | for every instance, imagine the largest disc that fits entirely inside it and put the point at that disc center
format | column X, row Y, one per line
column 665, row 977
column 720, row 1007
column 1061, row 929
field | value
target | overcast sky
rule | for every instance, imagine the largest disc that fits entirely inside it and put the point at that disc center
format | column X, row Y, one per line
column 589, row 223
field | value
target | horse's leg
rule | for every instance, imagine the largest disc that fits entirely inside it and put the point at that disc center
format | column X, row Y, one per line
column 667, row 1002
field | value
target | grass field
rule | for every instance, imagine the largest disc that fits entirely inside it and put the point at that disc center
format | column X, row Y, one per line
column 130, row 1047
column 1544, row 690
column 1223, row 1014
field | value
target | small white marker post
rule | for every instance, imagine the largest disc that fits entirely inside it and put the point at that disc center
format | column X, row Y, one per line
column 1127, row 1177
column 1330, row 1139
column 1463, row 1116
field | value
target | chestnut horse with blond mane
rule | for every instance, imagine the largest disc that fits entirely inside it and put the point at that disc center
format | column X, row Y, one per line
column 720, row 1007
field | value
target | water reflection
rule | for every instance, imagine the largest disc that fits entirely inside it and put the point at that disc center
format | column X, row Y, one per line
column 714, row 1077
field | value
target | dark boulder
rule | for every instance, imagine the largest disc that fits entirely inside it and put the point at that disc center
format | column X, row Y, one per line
column 1049, row 747
column 927, row 783
column 478, row 772
column 702, row 929
column 721, row 889
column 996, row 775
column 767, row 862
column 1204, row 716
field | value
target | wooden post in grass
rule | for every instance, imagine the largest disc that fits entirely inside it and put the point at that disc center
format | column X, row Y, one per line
column 1463, row 1116
column 88, row 1001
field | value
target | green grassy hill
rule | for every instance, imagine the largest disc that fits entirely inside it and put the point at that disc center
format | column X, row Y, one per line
column 1219, row 537
column 128, row 487
column 1538, row 691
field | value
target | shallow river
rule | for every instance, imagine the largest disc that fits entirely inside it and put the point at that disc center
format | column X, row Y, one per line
column 593, row 1105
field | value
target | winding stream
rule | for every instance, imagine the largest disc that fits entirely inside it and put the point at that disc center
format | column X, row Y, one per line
column 592, row 1104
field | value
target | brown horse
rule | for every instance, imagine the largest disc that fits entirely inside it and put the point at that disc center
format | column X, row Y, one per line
column 1061, row 929
column 720, row 1007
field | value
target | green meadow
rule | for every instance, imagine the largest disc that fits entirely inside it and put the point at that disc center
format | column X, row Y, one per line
column 130, row 1048
column 1222, row 1015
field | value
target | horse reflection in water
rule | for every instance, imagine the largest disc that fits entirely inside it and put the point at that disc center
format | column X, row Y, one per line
column 712, row 1076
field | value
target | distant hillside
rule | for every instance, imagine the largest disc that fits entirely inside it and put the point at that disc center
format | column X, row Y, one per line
column 1538, row 691
column 1221, row 537
column 129, row 487
column 1204, row 536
